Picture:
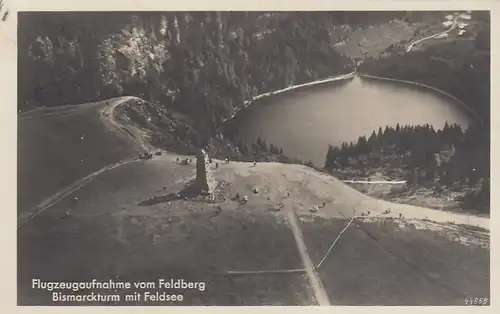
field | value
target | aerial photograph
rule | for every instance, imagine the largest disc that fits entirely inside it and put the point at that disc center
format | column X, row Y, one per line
column 251, row 158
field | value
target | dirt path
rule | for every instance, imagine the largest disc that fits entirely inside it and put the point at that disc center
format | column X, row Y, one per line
column 378, row 207
column 316, row 285
column 432, row 36
column 59, row 196
column 309, row 187
column 373, row 182
column 107, row 114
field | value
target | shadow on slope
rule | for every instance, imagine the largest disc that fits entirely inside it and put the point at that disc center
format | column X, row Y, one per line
column 58, row 146
column 107, row 235
column 384, row 264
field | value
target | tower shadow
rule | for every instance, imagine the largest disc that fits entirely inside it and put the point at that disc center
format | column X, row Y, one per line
column 191, row 190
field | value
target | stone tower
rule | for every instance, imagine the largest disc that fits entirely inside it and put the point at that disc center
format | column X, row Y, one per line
column 204, row 178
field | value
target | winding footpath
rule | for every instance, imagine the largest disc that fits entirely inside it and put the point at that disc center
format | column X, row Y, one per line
column 317, row 287
column 373, row 182
column 108, row 117
column 453, row 26
column 107, row 114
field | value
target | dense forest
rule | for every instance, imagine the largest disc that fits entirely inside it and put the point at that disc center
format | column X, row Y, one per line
column 203, row 64
column 460, row 68
column 420, row 155
column 174, row 132
column 194, row 69
column 447, row 159
column 440, row 158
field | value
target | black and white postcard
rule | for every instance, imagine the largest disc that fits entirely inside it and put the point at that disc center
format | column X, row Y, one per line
column 252, row 157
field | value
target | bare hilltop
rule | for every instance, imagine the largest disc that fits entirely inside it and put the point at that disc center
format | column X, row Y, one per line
column 136, row 220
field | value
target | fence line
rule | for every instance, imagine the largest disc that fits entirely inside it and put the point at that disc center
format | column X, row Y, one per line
column 264, row 272
column 335, row 242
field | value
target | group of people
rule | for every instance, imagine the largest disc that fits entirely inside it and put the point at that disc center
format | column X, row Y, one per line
column 147, row 155
column 241, row 199
column 188, row 161
column 185, row 161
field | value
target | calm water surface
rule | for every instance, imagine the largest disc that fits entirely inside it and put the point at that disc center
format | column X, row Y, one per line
column 305, row 121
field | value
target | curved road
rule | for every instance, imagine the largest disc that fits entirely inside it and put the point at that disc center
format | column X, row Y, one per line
column 108, row 117
column 373, row 182
column 453, row 26
column 277, row 174
column 107, row 114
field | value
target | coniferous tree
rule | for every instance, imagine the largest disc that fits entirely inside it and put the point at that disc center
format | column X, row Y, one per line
column 380, row 133
column 329, row 157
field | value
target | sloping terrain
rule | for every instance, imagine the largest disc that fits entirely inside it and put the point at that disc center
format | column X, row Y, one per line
column 128, row 223
column 375, row 39
column 58, row 146
column 114, row 231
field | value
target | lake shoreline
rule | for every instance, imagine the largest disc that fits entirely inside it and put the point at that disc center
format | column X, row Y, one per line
column 347, row 76
column 428, row 87
column 240, row 124
column 248, row 103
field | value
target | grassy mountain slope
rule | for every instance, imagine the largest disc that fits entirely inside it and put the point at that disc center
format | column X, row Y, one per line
column 58, row 146
column 117, row 228
column 128, row 222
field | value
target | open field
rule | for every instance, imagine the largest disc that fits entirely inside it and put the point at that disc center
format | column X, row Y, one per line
column 375, row 39
column 110, row 232
column 57, row 146
column 382, row 262
column 117, row 229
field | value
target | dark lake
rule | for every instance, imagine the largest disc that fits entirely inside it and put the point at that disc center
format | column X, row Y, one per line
column 305, row 121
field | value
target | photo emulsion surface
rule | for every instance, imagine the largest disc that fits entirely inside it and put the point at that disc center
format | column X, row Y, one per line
column 254, row 158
